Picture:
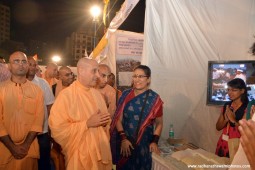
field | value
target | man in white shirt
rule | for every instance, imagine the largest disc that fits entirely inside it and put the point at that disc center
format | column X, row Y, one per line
column 44, row 138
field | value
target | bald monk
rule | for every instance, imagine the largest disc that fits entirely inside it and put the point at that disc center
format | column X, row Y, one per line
column 66, row 77
column 79, row 121
column 108, row 92
column 51, row 73
column 21, row 113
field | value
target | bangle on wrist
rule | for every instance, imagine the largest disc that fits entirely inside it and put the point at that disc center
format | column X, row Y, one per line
column 122, row 135
column 121, row 132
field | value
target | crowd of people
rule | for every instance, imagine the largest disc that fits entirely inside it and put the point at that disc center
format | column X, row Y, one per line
column 54, row 117
column 87, row 123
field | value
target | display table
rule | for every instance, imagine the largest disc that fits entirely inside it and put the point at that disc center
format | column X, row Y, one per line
column 178, row 159
column 166, row 163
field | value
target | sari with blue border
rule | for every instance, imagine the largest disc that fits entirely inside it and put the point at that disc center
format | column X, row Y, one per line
column 131, row 106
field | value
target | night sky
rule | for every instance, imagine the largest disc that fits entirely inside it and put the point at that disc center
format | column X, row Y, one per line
column 52, row 21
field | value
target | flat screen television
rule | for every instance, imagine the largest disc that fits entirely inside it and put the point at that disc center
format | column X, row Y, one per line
column 220, row 72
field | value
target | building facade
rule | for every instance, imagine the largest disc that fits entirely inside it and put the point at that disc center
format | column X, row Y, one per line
column 78, row 44
column 4, row 23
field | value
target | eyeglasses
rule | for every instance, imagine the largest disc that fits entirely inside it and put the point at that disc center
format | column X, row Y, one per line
column 16, row 61
column 139, row 76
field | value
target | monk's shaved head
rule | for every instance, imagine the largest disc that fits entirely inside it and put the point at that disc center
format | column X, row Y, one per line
column 51, row 65
column 31, row 68
column 52, row 70
column 66, row 75
column 104, row 66
column 85, row 62
column 16, row 54
column 104, row 72
column 87, row 70
column 18, row 64
column 64, row 68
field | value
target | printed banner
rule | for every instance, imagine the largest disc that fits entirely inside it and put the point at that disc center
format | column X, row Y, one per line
column 128, row 54
column 121, row 16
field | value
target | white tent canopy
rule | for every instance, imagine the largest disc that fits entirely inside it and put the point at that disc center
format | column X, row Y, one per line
column 180, row 38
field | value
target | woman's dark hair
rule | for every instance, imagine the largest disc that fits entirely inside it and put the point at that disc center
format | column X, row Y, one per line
column 145, row 68
column 238, row 83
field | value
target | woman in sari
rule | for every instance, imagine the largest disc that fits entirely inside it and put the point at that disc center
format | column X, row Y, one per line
column 133, row 136
column 232, row 112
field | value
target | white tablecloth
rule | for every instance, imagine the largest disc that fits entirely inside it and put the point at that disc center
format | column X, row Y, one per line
column 181, row 159
column 167, row 163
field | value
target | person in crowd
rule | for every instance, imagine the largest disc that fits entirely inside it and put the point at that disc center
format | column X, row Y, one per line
column 5, row 73
column 66, row 77
column 79, row 121
column 2, row 60
column 43, row 138
column 111, row 82
column 247, row 130
column 240, row 74
column 138, row 111
column 215, row 74
column 22, row 113
column 246, row 151
column 232, row 112
column 51, row 73
column 107, row 91
column 38, row 71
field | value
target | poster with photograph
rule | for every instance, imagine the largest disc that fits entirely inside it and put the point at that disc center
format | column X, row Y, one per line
column 129, row 50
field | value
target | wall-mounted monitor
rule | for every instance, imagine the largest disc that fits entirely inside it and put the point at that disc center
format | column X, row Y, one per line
column 220, row 72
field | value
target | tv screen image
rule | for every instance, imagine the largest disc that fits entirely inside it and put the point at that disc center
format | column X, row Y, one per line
column 221, row 72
